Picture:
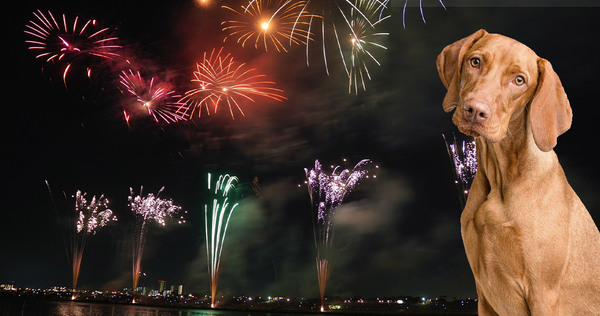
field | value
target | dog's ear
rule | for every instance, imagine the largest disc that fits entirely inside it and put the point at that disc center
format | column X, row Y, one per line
column 449, row 63
column 550, row 111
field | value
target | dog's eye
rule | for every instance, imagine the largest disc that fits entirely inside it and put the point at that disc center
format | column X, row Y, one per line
column 519, row 80
column 474, row 62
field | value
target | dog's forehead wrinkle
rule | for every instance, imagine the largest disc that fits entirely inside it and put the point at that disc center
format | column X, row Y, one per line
column 503, row 47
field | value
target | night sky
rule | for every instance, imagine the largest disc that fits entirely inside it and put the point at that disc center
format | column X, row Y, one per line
column 397, row 235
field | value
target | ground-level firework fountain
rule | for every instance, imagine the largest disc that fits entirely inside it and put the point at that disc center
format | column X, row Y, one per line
column 463, row 156
column 327, row 192
column 146, row 209
column 85, row 219
column 215, row 223
column 90, row 217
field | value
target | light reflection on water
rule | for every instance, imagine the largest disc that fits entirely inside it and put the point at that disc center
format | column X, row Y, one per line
column 25, row 307
column 92, row 309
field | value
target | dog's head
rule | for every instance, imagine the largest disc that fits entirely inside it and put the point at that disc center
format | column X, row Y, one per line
column 492, row 78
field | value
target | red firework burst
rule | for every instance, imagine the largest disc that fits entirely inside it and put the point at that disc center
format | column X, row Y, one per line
column 67, row 42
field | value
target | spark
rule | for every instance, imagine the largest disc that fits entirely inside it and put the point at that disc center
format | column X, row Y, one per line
column 215, row 223
column 327, row 193
column 268, row 23
column 219, row 79
column 146, row 209
column 126, row 116
column 153, row 97
column 66, row 43
column 463, row 156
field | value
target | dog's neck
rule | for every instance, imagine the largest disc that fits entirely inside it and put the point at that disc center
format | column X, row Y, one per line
column 516, row 156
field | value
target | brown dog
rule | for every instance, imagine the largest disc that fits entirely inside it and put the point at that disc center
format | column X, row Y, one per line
column 531, row 244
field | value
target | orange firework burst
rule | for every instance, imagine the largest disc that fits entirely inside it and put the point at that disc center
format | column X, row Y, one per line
column 66, row 42
column 219, row 79
column 269, row 23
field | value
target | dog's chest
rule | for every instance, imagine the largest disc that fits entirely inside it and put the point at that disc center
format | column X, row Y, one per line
column 493, row 243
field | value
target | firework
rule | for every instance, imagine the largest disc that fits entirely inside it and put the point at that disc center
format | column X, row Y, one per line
column 327, row 192
column 463, row 156
column 420, row 9
column 68, row 42
column 216, row 223
column 155, row 98
column 86, row 218
column 219, row 79
column 90, row 217
column 331, row 19
column 145, row 210
column 364, row 39
column 269, row 24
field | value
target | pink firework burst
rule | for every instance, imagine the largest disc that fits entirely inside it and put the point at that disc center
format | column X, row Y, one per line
column 219, row 79
column 67, row 42
column 157, row 99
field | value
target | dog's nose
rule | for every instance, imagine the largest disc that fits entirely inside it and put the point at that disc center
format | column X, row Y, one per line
column 476, row 111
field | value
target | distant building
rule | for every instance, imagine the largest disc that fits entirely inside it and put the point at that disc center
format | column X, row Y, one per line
column 141, row 289
column 7, row 287
column 180, row 289
column 162, row 284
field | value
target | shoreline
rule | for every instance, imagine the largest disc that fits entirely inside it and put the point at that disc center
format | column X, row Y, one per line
column 19, row 302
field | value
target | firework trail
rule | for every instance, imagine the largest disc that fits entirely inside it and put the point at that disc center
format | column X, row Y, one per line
column 153, row 97
column 327, row 192
column 269, row 24
column 146, row 209
column 219, row 79
column 69, row 42
column 58, row 218
column 463, row 156
column 215, row 224
column 420, row 9
column 257, row 187
column 364, row 39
